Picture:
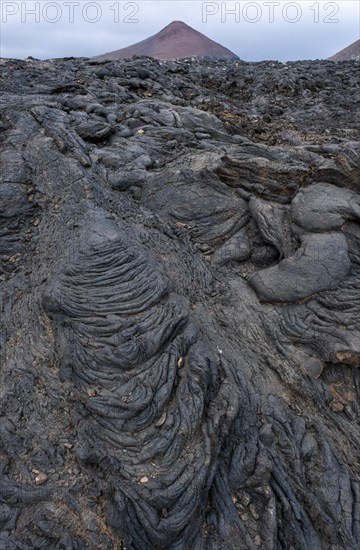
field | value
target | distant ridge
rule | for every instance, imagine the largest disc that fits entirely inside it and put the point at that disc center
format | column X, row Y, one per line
column 348, row 53
column 175, row 41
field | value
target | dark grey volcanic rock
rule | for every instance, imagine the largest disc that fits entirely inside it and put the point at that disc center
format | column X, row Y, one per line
column 320, row 263
column 175, row 41
column 180, row 248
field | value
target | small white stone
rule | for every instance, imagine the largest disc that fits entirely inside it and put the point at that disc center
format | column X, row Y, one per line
column 41, row 478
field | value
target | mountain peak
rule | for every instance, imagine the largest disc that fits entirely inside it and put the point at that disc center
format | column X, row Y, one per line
column 177, row 24
column 175, row 27
column 175, row 41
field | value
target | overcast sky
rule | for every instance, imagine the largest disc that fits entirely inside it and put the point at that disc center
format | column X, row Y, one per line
column 268, row 29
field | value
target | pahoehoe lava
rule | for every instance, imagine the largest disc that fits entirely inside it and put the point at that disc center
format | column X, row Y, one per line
column 180, row 274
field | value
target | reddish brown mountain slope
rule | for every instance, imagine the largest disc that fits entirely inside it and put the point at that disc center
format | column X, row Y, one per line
column 175, row 41
column 351, row 52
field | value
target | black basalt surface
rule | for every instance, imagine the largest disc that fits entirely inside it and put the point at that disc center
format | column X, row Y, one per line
column 180, row 284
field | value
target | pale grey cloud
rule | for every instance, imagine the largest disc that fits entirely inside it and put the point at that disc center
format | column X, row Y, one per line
column 262, row 29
